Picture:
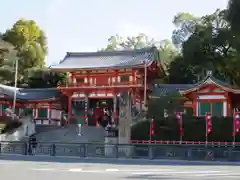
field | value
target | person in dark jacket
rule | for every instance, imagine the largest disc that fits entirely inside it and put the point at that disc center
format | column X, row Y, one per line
column 32, row 144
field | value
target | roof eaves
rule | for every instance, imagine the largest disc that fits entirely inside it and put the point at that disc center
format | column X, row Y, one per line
column 111, row 53
column 211, row 79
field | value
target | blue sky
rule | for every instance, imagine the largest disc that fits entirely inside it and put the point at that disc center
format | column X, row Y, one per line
column 81, row 25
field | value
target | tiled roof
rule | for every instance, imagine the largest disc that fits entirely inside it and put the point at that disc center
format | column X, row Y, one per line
column 108, row 59
column 29, row 94
column 164, row 89
column 211, row 79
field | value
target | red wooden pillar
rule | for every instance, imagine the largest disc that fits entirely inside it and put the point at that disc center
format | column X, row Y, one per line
column 140, row 101
column 34, row 111
column 228, row 104
column 194, row 104
column 1, row 112
column 116, row 77
column 133, row 77
column 115, row 113
column 69, row 109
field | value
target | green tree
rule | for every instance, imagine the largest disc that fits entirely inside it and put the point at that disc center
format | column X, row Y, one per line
column 168, row 52
column 233, row 15
column 211, row 46
column 7, row 60
column 30, row 43
column 130, row 42
column 166, row 48
column 185, row 24
column 43, row 78
column 170, row 104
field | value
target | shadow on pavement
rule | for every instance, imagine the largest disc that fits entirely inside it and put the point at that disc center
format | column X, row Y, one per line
column 152, row 177
column 113, row 161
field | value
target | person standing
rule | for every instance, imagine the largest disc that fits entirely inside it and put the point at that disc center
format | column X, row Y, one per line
column 98, row 114
column 32, row 144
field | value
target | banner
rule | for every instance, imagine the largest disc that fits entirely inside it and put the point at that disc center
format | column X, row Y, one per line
column 179, row 119
column 236, row 123
column 152, row 129
column 208, row 118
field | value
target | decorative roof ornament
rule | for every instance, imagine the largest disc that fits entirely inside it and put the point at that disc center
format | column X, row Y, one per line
column 209, row 73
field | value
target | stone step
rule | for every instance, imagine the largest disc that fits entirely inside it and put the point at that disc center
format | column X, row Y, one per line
column 71, row 134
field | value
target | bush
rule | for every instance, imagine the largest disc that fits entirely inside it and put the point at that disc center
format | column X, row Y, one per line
column 194, row 129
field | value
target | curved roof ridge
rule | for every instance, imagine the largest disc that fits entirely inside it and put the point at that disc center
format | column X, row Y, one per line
column 226, row 86
column 108, row 59
column 111, row 52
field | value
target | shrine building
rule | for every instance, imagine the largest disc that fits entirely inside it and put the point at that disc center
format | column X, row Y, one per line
column 208, row 95
column 94, row 79
column 97, row 79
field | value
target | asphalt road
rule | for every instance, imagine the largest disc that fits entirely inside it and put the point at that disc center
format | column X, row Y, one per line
column 36, row 170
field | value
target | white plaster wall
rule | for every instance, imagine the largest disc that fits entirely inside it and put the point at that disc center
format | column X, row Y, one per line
column 56, row 114
column 212, row 97
column 225, row 108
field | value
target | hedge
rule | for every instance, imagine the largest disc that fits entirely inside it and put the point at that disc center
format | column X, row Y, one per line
column 194, row 129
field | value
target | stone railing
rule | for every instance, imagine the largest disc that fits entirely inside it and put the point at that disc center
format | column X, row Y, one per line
column 143, row 151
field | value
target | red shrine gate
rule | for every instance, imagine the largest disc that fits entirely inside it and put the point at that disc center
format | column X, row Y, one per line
column 104, row 75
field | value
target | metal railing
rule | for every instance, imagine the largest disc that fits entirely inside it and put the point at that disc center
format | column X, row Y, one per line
column 132, row 151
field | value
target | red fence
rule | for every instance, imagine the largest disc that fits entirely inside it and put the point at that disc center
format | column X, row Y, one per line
column 183, row 142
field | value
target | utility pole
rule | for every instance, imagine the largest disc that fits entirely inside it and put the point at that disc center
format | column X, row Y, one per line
column 15, row 86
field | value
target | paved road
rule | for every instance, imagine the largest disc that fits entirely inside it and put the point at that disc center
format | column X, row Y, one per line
column 75, row 170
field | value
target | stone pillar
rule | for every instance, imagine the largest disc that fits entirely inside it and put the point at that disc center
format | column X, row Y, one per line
column 114, row 118
column 124, row 126
column 111, row 141
column 86, row 109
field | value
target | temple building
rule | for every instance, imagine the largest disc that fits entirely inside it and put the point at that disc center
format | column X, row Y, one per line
column 95, row 79
column 208, row 95
column 99, row 81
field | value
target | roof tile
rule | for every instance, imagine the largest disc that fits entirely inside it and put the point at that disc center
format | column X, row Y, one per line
column 108, row 59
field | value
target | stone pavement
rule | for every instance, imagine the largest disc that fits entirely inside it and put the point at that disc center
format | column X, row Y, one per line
column 94, row 169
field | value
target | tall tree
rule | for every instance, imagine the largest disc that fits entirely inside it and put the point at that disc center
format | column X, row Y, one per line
column 30, row 42
column 42, row 78
column 211, row 46
column 130, row 42
column 168, row 52
column 233, row 15
column 166, row 48
column 7, row 59
column 185, row 24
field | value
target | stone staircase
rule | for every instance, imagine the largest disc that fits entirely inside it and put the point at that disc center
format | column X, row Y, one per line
column 70, row 134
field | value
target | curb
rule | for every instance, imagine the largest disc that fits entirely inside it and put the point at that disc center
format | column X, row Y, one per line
column 67, row 159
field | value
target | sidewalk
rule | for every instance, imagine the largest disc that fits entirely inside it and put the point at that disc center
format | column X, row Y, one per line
column 43, row 158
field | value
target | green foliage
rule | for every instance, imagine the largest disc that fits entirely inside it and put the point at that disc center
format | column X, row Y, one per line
column 194, row 129
column 30, row 43
column 7, row 59
column 169, row 104
column 185, row 25
column 130, row 42
column 42, row 78
column 167, row 49
column 233, row 15
column 207, row 43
